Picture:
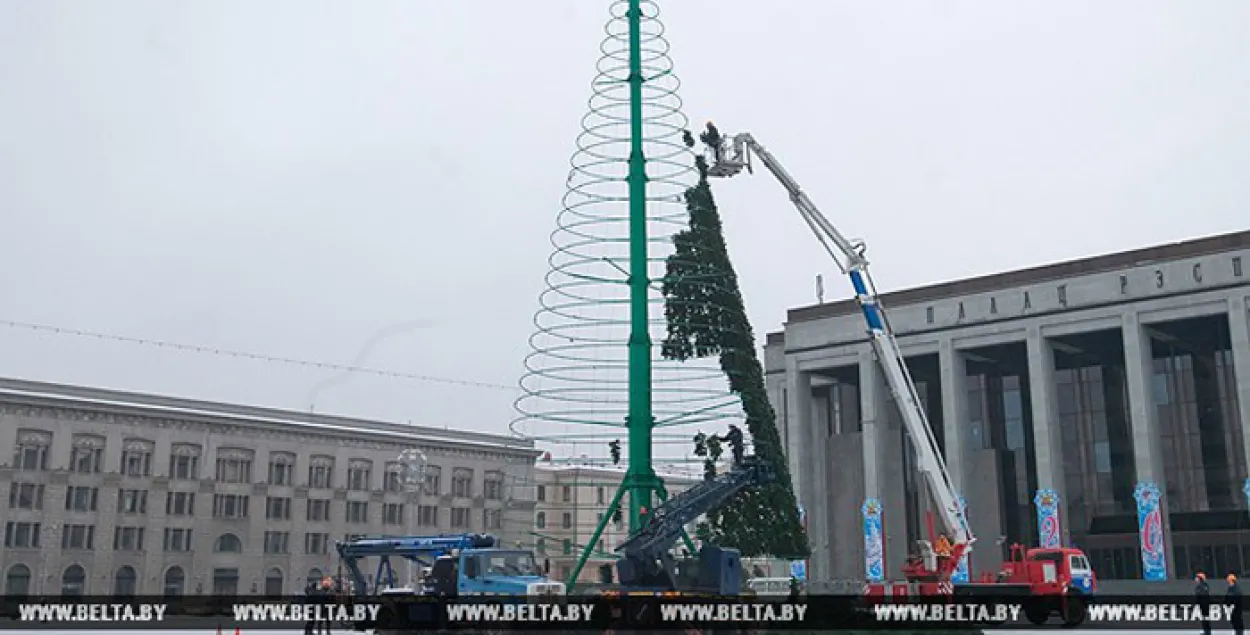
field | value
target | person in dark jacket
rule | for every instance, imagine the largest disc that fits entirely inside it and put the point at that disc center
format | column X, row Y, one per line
column 311, row 591
column 1233, row 597
column 1202, row 593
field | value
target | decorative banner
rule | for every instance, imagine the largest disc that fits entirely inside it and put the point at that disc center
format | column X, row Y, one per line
column 874, row 542
column 798, row 570
column 1049, row 535
column 1246, row 489
column 803, row 563
column 1154, row 565
column 960, row 574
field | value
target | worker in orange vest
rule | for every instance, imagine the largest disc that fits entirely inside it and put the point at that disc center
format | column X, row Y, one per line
column 942, row 549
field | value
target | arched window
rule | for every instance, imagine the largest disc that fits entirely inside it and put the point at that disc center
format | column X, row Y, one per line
column 273, row 582
column 73, row 580
column 540, row 521
column 175, row 578
column 228, row 543
column 315, row 575
column 124, row 582
column 17, row 581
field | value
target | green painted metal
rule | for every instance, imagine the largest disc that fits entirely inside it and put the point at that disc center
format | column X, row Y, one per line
column 589, row 549
column 640, row 479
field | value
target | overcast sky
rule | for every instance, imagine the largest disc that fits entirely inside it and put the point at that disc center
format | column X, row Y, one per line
column 292, row 178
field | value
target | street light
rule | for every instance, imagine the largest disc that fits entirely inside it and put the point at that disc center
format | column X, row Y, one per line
column 412, row 464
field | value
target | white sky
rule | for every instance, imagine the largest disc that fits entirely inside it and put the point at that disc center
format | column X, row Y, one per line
column 290, row 178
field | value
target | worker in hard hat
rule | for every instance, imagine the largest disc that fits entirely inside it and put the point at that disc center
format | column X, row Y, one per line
column 1202, row 594
column 943, row 549
column 1233, row 597
column 713, row 139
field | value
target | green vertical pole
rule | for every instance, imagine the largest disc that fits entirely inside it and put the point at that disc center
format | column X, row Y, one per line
column 640, row 479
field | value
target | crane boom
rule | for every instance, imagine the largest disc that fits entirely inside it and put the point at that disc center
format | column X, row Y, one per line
column 729, row 158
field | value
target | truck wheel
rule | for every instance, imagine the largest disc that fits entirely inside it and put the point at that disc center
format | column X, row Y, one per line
column 1037, row 613
column 1073, row 612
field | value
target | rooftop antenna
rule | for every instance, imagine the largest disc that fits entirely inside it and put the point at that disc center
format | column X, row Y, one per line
column 820, row 289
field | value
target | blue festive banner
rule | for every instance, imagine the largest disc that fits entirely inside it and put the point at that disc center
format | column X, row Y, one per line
column 1048, row 529
column 798, row 570
column 1245, row 489
column 1154, row 565
column 961, row 573
column 874, row 541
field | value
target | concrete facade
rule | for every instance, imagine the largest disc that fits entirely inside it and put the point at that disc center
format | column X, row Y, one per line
column 840, row 460
column 114, row 492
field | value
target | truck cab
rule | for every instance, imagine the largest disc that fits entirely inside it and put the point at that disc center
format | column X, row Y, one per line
column 1056, row 571
column 492, row 572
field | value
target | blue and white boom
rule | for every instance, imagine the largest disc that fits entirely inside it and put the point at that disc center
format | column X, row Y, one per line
column 729, row 158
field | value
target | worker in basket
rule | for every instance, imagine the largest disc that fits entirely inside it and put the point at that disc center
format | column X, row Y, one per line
column 943, row 550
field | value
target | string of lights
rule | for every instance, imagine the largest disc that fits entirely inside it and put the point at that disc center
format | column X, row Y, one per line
column 272, row 359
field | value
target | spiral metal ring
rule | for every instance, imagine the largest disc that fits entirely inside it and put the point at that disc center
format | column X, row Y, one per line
column 575, row 386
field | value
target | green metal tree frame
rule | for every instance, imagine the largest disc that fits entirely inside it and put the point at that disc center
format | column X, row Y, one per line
column 640, row 481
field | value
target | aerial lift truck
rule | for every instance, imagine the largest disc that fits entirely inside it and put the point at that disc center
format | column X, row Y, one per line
column 1057, row 580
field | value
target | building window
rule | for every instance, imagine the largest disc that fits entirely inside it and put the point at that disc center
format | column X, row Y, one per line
column 427, row 516
column 599, row 496
column 228, row 543
column 357, row 512
column 31, row 452
column 230, row 506
column 234, row 470
column 316, row 544
column 137, row 461
column 282, row 470
column 540, row 546
column 358, row 478
column 568, row 546
column 174, row 581
column 178, row 540
column 540, row 520
column 1102, row 457
column 433, row 480
column 184, row 467
column 567, row 520
column 179, row 504
column 26, row 496
column 566, row 493
column 318, row 510
column 492, row 486
column 462, row 483
column 393, row 481
column 78, row 537
column 22, row 535
column 81, row 499
column 278, row 508
column 393, row 514
column 542, row 493
column 277, row 542
column 86, row 460
column 460, row 517
column 492, row 519
column 132, row 501
column 128, row 539
column 321, row 474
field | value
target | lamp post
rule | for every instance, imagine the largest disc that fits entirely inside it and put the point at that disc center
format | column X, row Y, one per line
column 412, row 479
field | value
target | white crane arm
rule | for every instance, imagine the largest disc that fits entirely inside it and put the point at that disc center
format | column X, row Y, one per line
column 728, row 160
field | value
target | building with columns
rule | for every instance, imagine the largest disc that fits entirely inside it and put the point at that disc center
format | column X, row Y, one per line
column 1086, row 378
column 122, row 493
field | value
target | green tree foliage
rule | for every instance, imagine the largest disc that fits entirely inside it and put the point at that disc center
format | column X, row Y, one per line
column 706, row 316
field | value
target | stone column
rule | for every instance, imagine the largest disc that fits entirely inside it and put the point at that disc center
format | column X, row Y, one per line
column 1047, row 435
column 799, row 444
column 1143, row 417
column 883, row 462
column 954, row 371
column 818, row 507
column 1239, row 331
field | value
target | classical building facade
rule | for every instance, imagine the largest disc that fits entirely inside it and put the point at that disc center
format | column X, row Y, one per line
column 571, row 500
column 120, row 493
column 1091, row 380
